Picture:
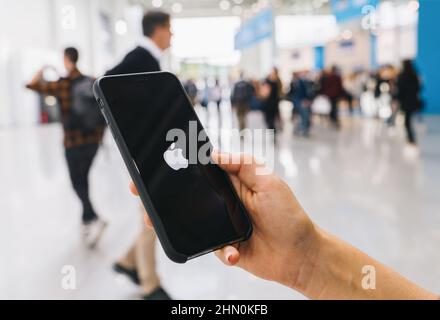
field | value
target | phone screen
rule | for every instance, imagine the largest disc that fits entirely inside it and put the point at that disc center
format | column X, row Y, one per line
column 194, row 200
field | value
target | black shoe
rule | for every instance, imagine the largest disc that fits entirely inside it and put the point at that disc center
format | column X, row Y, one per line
column 158, row 294
column 130, row 273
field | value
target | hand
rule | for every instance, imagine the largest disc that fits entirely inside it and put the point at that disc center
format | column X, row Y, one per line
column 37, row 78
column 283, row 235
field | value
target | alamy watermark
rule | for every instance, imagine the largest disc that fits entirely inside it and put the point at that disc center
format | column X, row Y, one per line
column 369, row 18
column 369, row 277
column 68, row 279
column 192, row 146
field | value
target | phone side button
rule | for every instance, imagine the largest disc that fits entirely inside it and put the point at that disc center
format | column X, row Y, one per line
column 100, row 103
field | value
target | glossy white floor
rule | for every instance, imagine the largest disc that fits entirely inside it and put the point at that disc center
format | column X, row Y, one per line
column 360, row 183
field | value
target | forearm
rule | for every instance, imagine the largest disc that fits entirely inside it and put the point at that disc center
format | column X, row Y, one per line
column 337, row 270
column 48, row 88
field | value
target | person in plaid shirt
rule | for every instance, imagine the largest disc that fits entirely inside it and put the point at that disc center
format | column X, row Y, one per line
column 80, row 147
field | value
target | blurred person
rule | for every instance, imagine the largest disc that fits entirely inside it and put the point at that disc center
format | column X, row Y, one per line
column 357, row 85
column 275, row 76
column 205, row 94
column 332, row 88
column 320, row 107
column 215, row 96
column 241, row 100
column 408, row 95
column 383, row 92
column 191, row 90
column 289, row 248
column 139, row 263
column 381, row 78
column 215, row 93
column 352, row 90
column 204, row 98
column 394, row 104
column 256, row 94
column 367, row 100
column 271, row 100
column 82, row 136
column 299, row 94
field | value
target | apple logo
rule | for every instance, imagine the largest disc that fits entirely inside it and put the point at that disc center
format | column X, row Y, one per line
column 174, row 158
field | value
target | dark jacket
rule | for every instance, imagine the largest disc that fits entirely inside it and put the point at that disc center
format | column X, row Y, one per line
column 331, row 86
column 242, row 93
column 270, row 105
column 408, row 90
column 138, row 60
column 298, row 91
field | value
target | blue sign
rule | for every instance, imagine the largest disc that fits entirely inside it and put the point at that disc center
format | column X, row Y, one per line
column 319, row 58
column 345, row 10
column 427, row 57
column 255, row 30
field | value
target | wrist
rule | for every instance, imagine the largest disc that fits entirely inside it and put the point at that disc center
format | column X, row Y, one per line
column 324, row 269
column 302, row 262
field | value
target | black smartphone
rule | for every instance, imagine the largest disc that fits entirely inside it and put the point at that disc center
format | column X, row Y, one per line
column 190, row 200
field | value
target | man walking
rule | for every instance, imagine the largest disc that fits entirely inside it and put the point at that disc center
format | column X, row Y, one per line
column 82, row 134
column 139, row 262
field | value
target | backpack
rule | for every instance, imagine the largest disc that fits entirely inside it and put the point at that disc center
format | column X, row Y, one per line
column 191, row 90
column 85, row 114
column 242, row 93
column 311, row 89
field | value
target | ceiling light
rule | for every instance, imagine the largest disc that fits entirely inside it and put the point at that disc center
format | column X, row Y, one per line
column 157, row 3
column 414, row 5
column 225, row 5
column 121, row 27
column 177, row 7
column 50, row 101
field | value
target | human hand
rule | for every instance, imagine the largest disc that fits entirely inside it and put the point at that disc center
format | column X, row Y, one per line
column 283, row 236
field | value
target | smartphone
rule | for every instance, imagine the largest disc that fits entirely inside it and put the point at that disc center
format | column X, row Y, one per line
column 191, row 201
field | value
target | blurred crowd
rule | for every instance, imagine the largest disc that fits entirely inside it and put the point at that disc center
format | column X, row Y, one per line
column 381, row 94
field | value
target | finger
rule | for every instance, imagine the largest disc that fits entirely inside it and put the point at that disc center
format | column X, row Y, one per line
column 133, row 188
column 244, row 166
column 229, row 255
column 237, row 185
column 148, row 222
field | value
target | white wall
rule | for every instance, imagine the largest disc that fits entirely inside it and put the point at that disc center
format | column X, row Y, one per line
column 394, row 45
column 295, row 38
column 300, row 59
column 348, row 59
column 34, row 33
column 257, row 60
column 25, row 34
column 299, row 31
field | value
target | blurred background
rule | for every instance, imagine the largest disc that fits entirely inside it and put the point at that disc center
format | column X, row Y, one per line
column 364, row 166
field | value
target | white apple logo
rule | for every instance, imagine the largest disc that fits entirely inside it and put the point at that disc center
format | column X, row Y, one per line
column 174, row 158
